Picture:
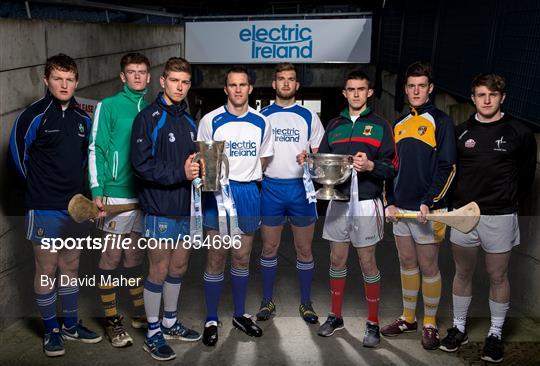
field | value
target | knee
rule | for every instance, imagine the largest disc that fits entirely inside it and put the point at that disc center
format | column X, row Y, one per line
column 304, row 254
column 69, row 267
column 497, row 278
column 463, row 275
column 158, row 272
column 408, row 260
column 239, row 260
column 338, row 260
column 110, row 260
column 134, row 258
column 48, row 269
column 270, row 248
column 215, row 264
column 429, row 269
column 368, row 264
column 178, row 270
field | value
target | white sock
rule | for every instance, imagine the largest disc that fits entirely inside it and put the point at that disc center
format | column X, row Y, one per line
column 498, row 313
column 461, row 306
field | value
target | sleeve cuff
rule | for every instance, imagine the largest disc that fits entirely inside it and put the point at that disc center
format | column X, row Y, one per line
column 97, row 191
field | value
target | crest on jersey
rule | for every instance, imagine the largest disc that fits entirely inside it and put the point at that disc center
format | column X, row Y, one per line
column 112, row 225
column 81, row 129
column 162, row 227
column 422, row 130
column 171, row 137
column 40, row 231
column 470, row 143
column 367, row 130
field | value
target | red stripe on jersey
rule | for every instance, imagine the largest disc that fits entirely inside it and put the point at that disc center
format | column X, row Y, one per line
column 367, row 140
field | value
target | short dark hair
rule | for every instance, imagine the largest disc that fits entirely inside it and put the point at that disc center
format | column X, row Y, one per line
column 493, row 82
column 238, row 70
column 134, row 58
column 419, row 69
column 61, row 62
column 358, row 75
column 284, row 66
column 176, row 64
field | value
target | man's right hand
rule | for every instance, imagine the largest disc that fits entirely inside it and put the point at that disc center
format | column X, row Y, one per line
column 190, row 168
column 301, row 158
column 390, row 213
column 101, row 207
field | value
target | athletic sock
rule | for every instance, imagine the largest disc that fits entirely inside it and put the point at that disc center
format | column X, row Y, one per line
column 498, row 314
column 372, row 288
column 268, row 272
column 171, row 291
column 305, row 275
column 337, row 286
column 69, row 296
column 213, row 284
column 136, row 291
column 431, row 292
column 107, row 293
column 461, row 307
column 47, row 308
column 239, row 282
column 152, row 303
column 410, row 285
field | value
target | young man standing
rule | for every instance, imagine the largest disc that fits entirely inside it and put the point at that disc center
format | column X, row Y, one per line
column 504, row 150
column 295, row 129
column 427, row 153
column 162, row 151
column 359, row 132
column 112, row 182
column 248, row 144
column 49, row 148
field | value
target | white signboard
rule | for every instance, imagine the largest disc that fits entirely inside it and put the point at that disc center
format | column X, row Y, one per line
column 301, row 41
column 87, row 105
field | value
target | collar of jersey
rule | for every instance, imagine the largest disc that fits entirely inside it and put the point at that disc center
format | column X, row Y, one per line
column 173, row 108
column 422, row 109
column 133, row 94
column 345, row 113
column 234, row 115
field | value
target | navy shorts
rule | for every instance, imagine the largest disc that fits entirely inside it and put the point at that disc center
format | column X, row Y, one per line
column 53, row 224
column 165, row 227
column 286, row 198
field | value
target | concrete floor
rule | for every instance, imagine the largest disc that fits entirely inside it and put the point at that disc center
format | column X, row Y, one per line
column 287, row 339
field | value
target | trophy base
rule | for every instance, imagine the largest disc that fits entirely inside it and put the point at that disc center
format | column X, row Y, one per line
column 331, row 194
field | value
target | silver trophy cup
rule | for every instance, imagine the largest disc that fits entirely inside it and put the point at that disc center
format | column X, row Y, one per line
column 211, row 158
column 329, row 170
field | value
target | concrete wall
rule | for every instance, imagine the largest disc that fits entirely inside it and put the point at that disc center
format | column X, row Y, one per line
column 524, row 269
column 97, row 49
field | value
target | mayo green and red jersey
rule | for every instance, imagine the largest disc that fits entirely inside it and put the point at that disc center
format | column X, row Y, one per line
column 371, row 135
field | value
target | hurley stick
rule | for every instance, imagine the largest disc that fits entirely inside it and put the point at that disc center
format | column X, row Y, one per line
column 463, row 219
column 81, row 208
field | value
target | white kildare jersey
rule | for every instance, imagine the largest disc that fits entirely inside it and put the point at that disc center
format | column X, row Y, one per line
column 248, row 138
column 293, row 129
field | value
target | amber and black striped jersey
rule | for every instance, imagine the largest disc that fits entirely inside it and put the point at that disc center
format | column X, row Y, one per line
column 496, row 164
column 427, row 153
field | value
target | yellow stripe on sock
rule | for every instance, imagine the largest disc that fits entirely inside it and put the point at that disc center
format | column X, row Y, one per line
column 136, row 291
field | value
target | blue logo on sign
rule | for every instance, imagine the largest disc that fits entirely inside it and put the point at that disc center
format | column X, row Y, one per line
column 241, row 148
column 280, row 42
column 286, row 134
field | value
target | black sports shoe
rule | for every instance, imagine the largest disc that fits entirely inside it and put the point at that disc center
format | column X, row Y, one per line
column 267, row 309
column 372, row 336
column 210, row 333
column 453, row 340
column 308, row 314
column 246, row 325
column 493, row 349
column 331, row 324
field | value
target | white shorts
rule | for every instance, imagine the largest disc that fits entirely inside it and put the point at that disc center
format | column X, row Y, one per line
column 495, row 233
column 122, row 223
column 362, row 228
column 428, row 233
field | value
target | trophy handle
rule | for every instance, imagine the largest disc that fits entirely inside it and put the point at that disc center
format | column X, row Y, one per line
column 350, row 161
column 225, row 161
column 196, row 159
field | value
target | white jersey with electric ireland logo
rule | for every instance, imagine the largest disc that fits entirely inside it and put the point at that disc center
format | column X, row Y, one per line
column 293, row 129
column 248, row 138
